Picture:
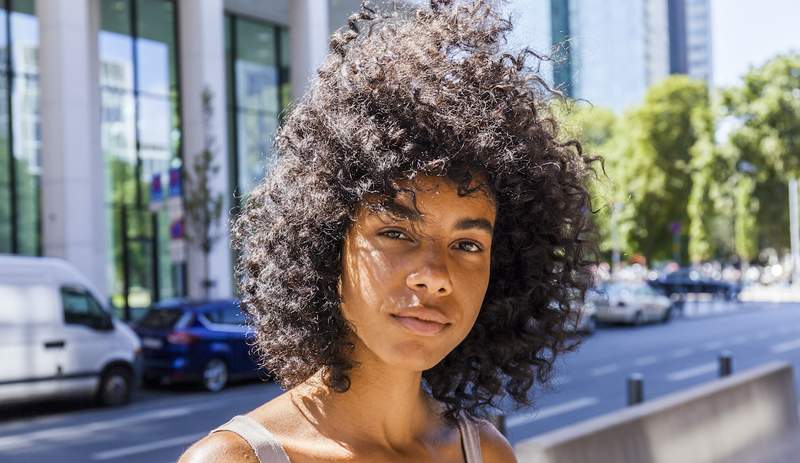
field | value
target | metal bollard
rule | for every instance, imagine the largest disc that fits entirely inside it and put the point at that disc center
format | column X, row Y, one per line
column 725, row 364
column 635, row 389
column 499, row 422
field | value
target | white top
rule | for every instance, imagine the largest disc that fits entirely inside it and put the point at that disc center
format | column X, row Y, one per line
column 269, row 450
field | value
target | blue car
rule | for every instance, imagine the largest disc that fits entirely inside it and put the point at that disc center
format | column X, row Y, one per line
column 205, row 342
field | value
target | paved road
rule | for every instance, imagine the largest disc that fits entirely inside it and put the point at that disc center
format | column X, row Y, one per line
column 161, row 423
column 671, row 357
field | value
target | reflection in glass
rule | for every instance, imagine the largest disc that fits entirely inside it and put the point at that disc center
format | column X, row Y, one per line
column 258, row 60
column 6, row 230
column 254, row 146
column 20, row 131
column 140, row 136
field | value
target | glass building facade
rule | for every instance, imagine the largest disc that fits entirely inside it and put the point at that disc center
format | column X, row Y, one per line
column 257, row 56
column 20, row 130
column 141, row 140
column 137, row 91
column 559, row 26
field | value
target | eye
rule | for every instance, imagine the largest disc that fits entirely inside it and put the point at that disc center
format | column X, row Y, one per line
column 468, row 246
column 394, row 235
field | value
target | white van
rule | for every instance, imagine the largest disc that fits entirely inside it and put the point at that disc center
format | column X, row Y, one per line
column 56, row 339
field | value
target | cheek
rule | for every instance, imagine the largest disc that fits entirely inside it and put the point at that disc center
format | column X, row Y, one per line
column 471, row 289
column 367, row 276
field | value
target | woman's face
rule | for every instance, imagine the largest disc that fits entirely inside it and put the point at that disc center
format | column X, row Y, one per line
column 412, row 287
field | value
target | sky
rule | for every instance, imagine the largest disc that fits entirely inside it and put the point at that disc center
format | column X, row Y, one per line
column 744, row 32
column 747, row 33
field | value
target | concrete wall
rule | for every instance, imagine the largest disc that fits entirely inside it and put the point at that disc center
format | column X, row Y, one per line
column 202, row 52
column 717, row 422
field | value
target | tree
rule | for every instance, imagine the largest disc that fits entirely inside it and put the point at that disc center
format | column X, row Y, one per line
column 202, row 205
column 595, row 127
column 767, row 139
column 708, row 168
column 656, row 141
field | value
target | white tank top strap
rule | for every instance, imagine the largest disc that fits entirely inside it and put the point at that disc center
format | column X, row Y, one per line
column 264, row 444
column 470, row 439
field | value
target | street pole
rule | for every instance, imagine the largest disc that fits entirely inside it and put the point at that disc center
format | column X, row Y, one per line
column 725, row 364
column 794, row 233
column 635, row 389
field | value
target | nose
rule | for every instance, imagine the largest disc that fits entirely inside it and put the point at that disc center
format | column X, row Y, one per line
column 431, row 278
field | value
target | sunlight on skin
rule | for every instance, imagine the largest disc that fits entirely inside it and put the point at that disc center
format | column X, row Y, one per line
column 419, row 263
column 411, row 290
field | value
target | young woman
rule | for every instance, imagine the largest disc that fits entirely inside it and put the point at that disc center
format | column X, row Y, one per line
column 409, row 260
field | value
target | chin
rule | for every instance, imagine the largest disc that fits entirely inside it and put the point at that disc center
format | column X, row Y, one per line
column 413, row 356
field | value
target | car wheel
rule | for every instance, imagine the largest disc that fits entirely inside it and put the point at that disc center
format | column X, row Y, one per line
column 116, row 386
column 667, row 315
column 215, row 375
column 637, row 319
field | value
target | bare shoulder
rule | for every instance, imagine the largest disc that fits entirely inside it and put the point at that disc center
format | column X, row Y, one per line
column 223, row 447
column 494, row 446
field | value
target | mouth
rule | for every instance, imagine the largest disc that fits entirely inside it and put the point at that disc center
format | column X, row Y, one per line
column 422, row 321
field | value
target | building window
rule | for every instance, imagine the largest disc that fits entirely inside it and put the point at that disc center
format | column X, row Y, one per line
column 257, row 56
column 20, row 139
column 140, row 139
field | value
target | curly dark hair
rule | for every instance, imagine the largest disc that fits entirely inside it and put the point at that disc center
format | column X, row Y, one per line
column 423, row 91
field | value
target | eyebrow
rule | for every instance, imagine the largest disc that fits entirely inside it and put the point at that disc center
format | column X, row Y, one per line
column 481, row 224
column 406, row 213
column 402, row 211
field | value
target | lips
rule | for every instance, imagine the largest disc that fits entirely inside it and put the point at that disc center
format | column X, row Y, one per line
column 421, row 320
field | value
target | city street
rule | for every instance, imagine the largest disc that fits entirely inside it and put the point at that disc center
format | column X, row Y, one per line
column 161, row 423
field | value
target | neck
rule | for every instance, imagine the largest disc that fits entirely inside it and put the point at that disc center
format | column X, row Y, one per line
column 384, row 406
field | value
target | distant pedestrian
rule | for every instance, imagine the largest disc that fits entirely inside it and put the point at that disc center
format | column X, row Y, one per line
column 410, row 257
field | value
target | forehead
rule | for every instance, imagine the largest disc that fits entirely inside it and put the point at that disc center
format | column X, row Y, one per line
column 428, row 197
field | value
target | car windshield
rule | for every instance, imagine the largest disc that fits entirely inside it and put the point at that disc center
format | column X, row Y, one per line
column 160, row 318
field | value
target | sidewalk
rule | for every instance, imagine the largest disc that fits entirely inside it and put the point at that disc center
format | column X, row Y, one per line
column 772, row 293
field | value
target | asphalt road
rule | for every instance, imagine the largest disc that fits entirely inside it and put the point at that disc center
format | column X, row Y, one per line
column 589, row 382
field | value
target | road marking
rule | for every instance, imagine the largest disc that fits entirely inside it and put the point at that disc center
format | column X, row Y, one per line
column 687, row 373
column 604, row 370
column 549, row 412
column 685, row 352
column 141, row 448
column 785, row 346
column 713, row 345
column 63, row 433
column 644, row 361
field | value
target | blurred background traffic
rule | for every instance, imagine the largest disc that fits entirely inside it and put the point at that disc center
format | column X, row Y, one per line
column 132, row 130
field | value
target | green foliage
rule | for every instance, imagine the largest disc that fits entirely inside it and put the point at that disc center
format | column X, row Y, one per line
column 656, row 145
column 746, row 245
column 663, row 165
column 708, row 168
column 595, row 128
column 767, row 139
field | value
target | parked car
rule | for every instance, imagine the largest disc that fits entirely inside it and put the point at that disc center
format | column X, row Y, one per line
column 582, row 315
column 206, row 342
column 687, row 280
column 631, row 302
column 57, row 339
